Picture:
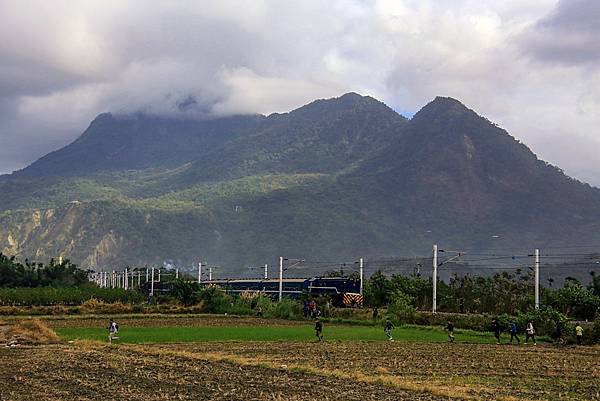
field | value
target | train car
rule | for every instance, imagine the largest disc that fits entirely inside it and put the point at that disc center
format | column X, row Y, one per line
column 342, row 291
column 292, row 287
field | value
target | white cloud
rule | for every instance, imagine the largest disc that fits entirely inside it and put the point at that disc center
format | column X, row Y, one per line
column 64, row 62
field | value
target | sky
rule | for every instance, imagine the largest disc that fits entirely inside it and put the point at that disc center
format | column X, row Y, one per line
column 531, row 66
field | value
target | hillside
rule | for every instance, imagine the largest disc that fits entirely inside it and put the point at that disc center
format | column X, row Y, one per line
column 332, row 180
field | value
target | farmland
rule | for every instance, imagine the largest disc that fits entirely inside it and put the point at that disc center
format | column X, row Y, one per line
column 281, row 367
column 207, row 328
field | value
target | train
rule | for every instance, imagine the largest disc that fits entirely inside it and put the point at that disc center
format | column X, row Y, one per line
column 342, row 291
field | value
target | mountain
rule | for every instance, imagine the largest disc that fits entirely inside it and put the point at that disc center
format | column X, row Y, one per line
column 333, row 180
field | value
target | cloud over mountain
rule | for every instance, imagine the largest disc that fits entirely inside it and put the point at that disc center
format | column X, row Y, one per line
column 64, row 62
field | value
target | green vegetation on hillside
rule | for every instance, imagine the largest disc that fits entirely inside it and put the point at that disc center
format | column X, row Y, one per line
column 334, row 180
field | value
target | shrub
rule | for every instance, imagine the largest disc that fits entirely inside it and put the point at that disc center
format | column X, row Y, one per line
column 544, row 320
column 215, row 300
column 185, row 292
column 286, row 309
column 400, row 310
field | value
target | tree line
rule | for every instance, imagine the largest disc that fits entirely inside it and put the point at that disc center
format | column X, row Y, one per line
column 507, row 292
column 30, row 274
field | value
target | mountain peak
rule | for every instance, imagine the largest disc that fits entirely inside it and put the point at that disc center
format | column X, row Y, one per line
column 349, row 102
column 444, row 107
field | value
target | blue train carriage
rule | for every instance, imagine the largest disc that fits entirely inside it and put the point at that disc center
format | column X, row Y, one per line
column 292, row 287
column 343, row 291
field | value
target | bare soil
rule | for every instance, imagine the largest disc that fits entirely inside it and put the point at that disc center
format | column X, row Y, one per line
column 126, row 373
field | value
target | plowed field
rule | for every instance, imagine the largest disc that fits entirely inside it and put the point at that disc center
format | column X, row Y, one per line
column 299, row 371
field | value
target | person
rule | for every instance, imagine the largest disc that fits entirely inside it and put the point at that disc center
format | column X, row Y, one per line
column 530, row 333
column 319, row 329
column 113, row 330
column 514, row 329
column 579, row 333
column 496, row 330
column 450, row 330
column 312, row 306
column 305, row 309
column 558, row 332
column 389, row 326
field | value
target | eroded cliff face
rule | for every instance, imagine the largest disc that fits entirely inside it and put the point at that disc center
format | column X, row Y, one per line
column 102, row 235
column 67, row 231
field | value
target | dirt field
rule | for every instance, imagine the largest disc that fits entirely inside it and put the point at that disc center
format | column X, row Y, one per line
column 299, row 371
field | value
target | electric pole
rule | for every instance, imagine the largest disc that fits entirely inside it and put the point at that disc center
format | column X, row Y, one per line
column 280, row 278
column 537, row 279
column 361, row 275
column 434, row 280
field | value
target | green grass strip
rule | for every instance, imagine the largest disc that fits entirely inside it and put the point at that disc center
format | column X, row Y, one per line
column 140, row 335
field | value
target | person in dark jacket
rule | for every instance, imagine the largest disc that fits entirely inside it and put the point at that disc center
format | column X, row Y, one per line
column 496, row 329
column 450, row 330
column 514, row 330
column 389, row 326
column 319, row 329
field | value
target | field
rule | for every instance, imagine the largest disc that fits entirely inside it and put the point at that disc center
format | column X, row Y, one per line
column 206, row 328
column 276, row 367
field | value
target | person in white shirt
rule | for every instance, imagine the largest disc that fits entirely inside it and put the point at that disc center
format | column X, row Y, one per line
column 530, row 333
column 113, row 329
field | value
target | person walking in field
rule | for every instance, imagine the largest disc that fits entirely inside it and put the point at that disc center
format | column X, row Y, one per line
column 579, row 334
column 389, row 326
column 319, row 329
column 514, row 330
column 113, row 330
column 496, row 329
column 450, row 330
column 530, row 333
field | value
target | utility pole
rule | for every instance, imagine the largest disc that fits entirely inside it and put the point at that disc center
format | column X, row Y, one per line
column 434, row 280
column 537, row 279
column 361, row 274
column 152, row 283
column 280, row 278
column 146, row 273
column 266, row 272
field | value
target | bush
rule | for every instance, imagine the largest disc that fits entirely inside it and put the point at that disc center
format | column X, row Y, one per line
column 400, row 310
column 544, row 320
column 214, row 300
column 285, row 309
column 185, row 292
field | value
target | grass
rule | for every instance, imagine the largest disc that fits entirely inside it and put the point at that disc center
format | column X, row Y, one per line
column 140, row 335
